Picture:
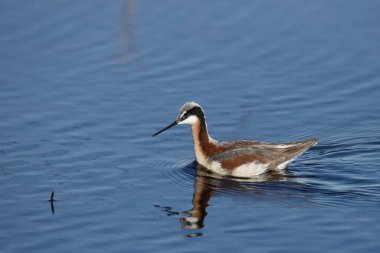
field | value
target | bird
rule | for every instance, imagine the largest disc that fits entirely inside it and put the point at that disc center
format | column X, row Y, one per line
column 240, row 159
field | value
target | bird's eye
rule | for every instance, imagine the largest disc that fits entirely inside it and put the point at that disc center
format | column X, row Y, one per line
column 186, row 115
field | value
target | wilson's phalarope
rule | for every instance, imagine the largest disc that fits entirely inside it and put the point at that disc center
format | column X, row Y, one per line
column 235, row 158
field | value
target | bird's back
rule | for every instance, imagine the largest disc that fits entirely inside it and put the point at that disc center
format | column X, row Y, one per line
column 275, row 156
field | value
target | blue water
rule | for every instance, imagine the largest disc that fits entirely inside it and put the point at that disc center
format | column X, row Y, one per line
column 83, row 85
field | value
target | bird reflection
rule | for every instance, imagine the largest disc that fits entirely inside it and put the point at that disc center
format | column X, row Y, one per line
column 207, row 185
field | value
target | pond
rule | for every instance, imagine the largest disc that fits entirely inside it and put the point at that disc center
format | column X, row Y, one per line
column 84, row 85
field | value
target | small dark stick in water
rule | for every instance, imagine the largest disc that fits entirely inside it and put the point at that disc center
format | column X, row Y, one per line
column 51, row 200
column 52, row 197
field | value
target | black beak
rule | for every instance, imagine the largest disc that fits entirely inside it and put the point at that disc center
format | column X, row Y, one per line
column 166, row 128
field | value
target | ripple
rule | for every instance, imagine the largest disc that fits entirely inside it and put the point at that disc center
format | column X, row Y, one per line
column 308, row 184
column 83, row 158
column 177, row 168
column 73, row 128
column 19, row 149
column 182, row 170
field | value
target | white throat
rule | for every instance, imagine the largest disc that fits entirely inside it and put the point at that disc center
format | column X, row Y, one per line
column 190, row 120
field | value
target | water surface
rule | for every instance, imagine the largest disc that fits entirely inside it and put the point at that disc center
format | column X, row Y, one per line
column 84, row 85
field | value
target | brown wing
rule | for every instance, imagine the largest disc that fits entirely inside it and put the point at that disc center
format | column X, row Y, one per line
column 241, row 152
